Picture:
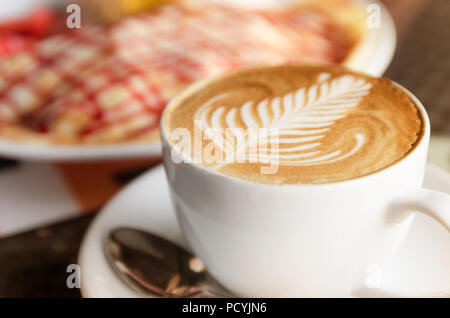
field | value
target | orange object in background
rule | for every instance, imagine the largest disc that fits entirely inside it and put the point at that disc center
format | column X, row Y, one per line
column 94, row 183
column 113, row 10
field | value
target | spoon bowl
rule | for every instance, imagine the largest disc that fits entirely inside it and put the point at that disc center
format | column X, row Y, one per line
column 155, row 266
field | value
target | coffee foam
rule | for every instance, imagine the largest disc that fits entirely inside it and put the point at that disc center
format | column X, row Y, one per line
column 332, row 124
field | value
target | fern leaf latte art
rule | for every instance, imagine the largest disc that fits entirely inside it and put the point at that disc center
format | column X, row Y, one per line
column 294, row 124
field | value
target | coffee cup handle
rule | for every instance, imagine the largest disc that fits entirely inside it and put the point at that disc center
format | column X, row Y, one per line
column 429, row 202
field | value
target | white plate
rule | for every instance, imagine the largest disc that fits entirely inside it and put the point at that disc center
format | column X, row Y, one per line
column 39, row 152
column 422, row 263
column 17, row 9
column 372, row 55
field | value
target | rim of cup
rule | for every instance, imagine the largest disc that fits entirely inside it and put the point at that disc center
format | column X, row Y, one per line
column 195, row 87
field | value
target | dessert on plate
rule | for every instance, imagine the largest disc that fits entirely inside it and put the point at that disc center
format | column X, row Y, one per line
column 109, row 84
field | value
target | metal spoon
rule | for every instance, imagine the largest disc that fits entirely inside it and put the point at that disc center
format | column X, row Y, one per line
column 156, row 267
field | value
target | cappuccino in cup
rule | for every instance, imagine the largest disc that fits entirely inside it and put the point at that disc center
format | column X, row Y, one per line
column 314, row 124
column 297, row 181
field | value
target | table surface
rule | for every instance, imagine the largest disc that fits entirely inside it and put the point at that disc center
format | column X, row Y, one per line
column 33, row 264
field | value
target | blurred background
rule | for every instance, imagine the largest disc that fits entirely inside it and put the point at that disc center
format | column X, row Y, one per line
column 45, row 207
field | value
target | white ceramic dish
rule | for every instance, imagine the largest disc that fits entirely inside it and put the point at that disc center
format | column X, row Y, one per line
column 37, row 152
column 372, row 55
column 422, row 263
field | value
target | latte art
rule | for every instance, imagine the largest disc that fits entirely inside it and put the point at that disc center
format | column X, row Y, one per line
column 315, row 124
column 301, row 117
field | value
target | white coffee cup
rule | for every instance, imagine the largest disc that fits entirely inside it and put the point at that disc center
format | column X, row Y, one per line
column 324, row 240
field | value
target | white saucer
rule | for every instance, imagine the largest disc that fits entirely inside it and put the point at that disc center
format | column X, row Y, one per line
column 422, row 264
